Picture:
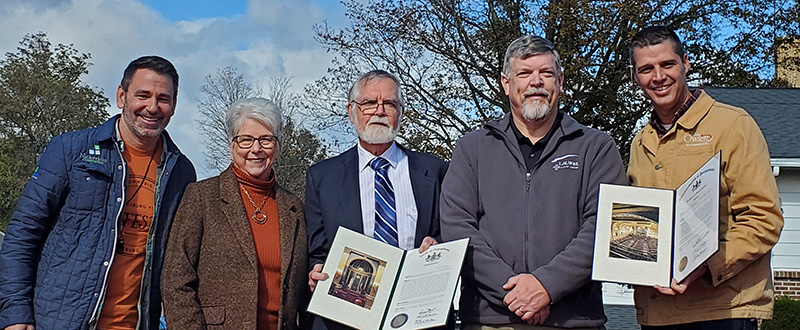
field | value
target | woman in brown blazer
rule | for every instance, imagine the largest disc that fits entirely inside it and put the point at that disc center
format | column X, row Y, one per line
column 237, row 255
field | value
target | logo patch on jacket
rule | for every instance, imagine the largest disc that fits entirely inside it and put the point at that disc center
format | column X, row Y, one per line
column 697, row 139
column 95, row 151
column 94, row 156
column 566, row 162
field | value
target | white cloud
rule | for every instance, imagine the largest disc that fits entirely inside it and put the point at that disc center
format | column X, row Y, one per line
column 274, row 38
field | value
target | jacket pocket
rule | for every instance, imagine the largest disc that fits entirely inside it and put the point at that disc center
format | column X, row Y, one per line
column 214, row 314
column 89, row 184
column 701, row 296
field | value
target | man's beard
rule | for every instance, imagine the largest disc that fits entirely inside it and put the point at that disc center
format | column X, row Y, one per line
column 376, row 134
column 535, row 111
column 138, row 127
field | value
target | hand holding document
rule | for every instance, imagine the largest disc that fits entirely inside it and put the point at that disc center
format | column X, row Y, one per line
column 373, row 285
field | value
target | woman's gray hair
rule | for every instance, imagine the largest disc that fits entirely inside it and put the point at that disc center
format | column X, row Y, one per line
column 255, row 108
column 527, row 46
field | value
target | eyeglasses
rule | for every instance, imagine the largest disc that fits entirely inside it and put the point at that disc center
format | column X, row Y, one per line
column 370, row 107
column 247, row 141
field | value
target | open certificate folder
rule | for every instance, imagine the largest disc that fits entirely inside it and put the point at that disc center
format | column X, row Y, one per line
column 648, row 236
column 373, row 285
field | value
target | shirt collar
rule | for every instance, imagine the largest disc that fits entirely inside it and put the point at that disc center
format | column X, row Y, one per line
column 522, row 139
column 656, row 121
column 393, row 155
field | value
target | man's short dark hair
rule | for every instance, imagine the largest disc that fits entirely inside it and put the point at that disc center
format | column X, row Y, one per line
column 655, row 35
column 158, row 64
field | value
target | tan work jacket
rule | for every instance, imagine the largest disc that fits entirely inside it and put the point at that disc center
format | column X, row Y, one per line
column 740, row 283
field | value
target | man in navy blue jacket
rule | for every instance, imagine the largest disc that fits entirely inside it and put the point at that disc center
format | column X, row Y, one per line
column 343, row 190
column 85, row 246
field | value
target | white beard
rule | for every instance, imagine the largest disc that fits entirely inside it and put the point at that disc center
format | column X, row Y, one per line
column 535, row 111
column 376, row 134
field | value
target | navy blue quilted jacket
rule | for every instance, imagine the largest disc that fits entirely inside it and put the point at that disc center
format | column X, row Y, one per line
column 61, row 239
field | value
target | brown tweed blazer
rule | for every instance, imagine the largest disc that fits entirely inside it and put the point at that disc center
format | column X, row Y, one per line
column 210, row 278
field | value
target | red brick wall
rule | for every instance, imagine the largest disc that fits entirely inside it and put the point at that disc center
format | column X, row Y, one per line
column 787, row 283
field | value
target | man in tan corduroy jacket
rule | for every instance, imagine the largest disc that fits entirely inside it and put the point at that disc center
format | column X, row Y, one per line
column 734, row 287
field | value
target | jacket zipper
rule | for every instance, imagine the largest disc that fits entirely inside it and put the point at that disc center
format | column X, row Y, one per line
column 144, row 289
column 528, row 181
column 102, row 295
column 527, row 222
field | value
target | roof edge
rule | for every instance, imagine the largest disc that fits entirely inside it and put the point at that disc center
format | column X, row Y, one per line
column 785, row 162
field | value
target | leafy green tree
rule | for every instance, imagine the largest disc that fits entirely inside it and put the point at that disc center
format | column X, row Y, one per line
column 15, row 168
column 299, row 147
column 449, row 54
column 41, row 96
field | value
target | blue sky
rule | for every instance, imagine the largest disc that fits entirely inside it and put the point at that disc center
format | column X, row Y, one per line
column 189, row 10
column 263, row 39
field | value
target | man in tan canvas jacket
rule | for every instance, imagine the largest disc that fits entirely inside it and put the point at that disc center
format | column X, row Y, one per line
column 734, row 287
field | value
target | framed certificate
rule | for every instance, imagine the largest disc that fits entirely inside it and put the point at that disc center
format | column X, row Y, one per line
column 373, row 285
column 648, row 236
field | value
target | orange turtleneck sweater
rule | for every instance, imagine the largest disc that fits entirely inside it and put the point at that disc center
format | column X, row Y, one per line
column 267, row 241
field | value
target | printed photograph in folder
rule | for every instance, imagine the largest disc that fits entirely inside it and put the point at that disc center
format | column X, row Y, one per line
column 373, row 285
column 647, row 236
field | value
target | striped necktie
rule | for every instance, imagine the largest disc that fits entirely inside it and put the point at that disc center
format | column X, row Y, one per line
column 385, row 213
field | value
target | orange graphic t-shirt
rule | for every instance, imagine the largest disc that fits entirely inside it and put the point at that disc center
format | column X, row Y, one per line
column 120, row 308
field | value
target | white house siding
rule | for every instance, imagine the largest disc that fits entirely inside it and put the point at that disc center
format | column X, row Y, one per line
column 786, row 254
column 617, row 294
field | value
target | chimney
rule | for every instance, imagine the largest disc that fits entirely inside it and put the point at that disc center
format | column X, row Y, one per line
column 787, row 61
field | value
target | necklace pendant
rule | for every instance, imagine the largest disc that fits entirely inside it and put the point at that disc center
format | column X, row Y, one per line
column 259, row 217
